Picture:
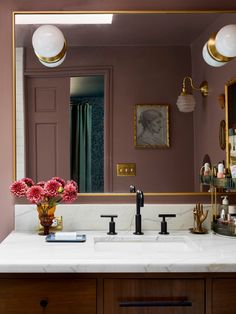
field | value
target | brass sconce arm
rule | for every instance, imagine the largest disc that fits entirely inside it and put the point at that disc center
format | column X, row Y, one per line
column 203, row 88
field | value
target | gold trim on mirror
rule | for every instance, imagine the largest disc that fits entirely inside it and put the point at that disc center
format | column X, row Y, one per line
column 14, row 96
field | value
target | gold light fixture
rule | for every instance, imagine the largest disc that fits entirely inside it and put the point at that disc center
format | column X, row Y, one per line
column 49, row 45
column 221, row 46
column 186, row 101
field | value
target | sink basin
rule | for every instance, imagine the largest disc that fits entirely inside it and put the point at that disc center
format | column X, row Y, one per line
column 143, row 245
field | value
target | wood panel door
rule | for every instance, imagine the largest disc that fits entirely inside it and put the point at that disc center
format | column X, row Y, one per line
column 49, row 296
column 47, row 127
column 154, row 296
column 223, row 296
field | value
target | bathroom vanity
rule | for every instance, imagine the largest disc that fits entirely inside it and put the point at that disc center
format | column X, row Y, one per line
column 118, row 293
column 179, row 273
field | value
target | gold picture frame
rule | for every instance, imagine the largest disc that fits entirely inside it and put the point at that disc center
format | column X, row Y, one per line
column 151, row 126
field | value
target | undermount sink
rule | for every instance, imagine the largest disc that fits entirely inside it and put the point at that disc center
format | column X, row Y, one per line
column 143, row 245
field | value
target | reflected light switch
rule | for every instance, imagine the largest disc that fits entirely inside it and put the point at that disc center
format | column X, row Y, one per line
column 126, row 169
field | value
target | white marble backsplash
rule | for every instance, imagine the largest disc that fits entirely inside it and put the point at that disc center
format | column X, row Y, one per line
column 87, row 216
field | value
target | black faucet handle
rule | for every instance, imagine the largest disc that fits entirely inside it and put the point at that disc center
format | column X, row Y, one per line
column 167, row 215
column 164, row 223
column 112, row 225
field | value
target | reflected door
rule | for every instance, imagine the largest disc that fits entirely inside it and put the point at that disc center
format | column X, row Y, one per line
column 47, row 128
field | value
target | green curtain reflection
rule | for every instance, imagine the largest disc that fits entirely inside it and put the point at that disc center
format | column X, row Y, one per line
column 81, row 134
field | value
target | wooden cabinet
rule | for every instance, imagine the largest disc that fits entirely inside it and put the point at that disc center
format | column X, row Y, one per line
column 59, row 296
column 154, row 296
column 118, row 293
column 224, row 296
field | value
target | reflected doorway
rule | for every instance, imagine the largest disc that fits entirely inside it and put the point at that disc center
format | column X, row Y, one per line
column 87, row 132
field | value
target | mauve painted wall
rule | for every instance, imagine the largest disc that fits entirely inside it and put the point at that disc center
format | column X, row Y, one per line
column 142, row 75
column 208, row 113
column 6, row 125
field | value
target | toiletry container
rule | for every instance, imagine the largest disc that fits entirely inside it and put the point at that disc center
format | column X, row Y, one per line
column 220, row 170
column 224, row 208
column 207, row 169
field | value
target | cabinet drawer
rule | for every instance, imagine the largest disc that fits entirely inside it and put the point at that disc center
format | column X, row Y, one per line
column 27, row 296
column 154, row 296
column 223, row 296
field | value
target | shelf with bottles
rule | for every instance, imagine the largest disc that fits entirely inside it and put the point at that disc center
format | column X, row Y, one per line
column 224, row 183
column 217, row 176
column 226, row 228
column 223, row 215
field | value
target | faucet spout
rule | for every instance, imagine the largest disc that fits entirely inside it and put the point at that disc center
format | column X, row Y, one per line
column 138, row 218
column 139, row 204
column 139, row 201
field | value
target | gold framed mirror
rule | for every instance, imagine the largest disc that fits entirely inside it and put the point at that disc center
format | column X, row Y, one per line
column 155, row 75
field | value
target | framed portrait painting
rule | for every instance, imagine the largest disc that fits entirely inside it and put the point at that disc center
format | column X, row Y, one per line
column 151, row 126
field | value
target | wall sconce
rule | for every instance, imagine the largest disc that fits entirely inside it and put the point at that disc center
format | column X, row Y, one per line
column 186, row 102
column 49, row 45
column 221, row 47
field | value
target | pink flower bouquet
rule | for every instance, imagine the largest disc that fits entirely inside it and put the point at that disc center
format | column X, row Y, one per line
column 51, row 192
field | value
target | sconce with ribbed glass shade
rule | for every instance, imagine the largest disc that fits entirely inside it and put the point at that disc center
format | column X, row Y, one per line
column 186, row 101
column 49, row 45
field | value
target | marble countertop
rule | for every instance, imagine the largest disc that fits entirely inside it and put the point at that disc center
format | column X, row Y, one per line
column 178, row 252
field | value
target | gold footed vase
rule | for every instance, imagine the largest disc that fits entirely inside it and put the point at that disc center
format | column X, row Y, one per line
column 46, row 216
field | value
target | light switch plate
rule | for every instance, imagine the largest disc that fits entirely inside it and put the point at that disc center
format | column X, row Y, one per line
column 126, row 169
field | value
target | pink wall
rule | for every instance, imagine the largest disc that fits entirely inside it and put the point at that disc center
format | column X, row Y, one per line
column 142, row 75
column 6, row 125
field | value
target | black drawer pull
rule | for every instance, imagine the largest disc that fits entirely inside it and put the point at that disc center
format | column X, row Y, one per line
column 154, row 303
column 43, row 303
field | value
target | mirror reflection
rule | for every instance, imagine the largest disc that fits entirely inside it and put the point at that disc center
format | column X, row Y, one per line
column 137, row 59
column 230, row 90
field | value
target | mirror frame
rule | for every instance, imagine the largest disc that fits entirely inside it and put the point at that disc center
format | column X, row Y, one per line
column 103, row 196
column 227, row 85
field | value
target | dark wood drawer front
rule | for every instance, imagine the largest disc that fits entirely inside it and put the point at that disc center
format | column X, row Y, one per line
column 154, row 296
column 223, row 296
column 59, row 296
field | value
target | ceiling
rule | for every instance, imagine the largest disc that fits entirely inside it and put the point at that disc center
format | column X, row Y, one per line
column 131, row 29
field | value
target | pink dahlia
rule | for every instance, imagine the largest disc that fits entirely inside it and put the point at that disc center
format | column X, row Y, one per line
column 70, row 193
column 18, row 188
column 29, row 182
column 35, row 194
column 51, row 188
column 60, row 180
column 41, row 183
column 74, row 183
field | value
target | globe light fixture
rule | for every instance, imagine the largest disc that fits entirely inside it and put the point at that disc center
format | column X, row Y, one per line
column 49, row 45
column 186, row 101
column 221, row 47
column 226, row 41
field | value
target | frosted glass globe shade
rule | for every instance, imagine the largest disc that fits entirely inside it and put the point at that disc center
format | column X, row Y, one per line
column 186, row 103
column 48, row 42
column 225, row 41
column 209, row 60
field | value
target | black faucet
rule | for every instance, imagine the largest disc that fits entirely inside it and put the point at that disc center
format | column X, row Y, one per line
column 139, row 204
column 138, row 217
